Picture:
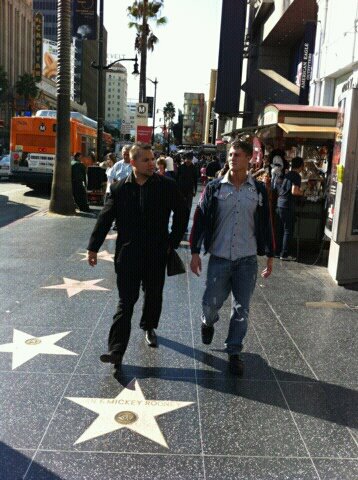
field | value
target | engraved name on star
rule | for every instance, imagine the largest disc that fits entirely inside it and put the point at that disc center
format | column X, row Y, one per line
column 77, row 286
column 129, row 409
column 104, row 255
column 25, row 347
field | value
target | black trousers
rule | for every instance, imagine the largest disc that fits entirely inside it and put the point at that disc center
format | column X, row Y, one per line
column 188, row 198
column 80, row 196
column 135, row 268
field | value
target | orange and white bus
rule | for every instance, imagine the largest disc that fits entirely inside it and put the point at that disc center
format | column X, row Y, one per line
column 32, row 145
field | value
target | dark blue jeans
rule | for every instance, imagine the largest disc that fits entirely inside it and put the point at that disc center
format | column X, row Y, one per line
column 285, row 230
column 239, row 278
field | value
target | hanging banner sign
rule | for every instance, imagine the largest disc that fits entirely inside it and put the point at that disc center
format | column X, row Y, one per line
column 144, row 134
column 307, row 61
column 38, row 29
column 85, row 19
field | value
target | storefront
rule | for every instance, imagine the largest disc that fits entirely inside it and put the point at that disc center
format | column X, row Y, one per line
column 308, row 132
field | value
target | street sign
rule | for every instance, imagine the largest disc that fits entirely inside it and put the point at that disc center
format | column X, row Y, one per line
column 142, row 114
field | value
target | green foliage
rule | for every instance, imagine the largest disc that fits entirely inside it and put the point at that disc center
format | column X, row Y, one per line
column 26, row 86
column 138, row 13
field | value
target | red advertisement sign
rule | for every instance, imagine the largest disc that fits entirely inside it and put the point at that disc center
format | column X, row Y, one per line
column 144, row 134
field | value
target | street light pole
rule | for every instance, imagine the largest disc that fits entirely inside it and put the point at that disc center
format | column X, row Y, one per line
column 100, row 106
column 100, row 101
column 155, row 83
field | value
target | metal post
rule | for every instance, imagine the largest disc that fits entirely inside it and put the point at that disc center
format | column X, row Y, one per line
column 154, row 107
column 100, row 106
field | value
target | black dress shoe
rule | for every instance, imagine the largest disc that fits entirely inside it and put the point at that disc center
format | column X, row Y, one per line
column 207, row 334
column 151, row 338
column 112, row 357
column 236, row 365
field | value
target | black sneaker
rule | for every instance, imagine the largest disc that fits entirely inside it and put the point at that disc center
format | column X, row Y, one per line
column 236, row 365
column 207, row 334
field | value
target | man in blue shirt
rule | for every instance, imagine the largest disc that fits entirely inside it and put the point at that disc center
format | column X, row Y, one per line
column 123, row 168
column 232, row 219
column 288, row 188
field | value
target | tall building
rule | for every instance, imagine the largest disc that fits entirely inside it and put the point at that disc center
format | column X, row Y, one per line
column 116, row 96
column 194, row 118
column 16, row 30
column 16, row 54
column 48, row 8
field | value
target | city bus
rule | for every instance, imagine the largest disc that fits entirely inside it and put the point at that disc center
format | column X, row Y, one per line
column 32, row 145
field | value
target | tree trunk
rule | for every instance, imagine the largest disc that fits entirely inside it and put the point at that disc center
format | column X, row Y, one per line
column 143, row 54
column 61, row 192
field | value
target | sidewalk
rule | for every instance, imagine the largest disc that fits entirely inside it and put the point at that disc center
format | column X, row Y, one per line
column 176, row 412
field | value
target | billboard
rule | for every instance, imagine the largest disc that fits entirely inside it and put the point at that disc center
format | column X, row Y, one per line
column 84, row 17
column 232, row 35
column 38, row 39
column 193, row 118
column 49, row 61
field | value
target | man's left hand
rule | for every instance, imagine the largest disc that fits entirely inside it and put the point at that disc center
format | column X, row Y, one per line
column 268, row 270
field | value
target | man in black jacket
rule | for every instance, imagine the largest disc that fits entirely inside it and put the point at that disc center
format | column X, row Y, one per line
column 233, row 220
column 79, row 183
column 187, row 179
column 141, row 204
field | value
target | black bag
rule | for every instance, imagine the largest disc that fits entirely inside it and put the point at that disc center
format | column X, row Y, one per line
column 175, row 266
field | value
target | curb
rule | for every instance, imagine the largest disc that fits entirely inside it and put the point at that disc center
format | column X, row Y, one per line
column 40, row 212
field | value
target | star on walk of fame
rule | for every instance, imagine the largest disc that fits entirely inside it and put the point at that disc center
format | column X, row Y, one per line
column 129, row 409
column 77, row 286
column 104, row 255
column 25, row 347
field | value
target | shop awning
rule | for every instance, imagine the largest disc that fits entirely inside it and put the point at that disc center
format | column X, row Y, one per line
column 268, row 86
column 314, row 131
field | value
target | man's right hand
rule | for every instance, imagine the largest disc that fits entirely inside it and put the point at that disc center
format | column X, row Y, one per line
column 195, row 264
column 92, row 258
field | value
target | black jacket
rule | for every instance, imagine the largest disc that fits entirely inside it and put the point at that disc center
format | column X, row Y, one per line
column 142, row 215
column 205, row 215
column 187, row 179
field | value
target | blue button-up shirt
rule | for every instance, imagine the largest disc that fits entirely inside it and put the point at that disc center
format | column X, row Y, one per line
column 120, row 170
column 234, row 229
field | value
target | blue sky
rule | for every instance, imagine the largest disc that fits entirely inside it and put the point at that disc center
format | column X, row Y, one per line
column 188, row 47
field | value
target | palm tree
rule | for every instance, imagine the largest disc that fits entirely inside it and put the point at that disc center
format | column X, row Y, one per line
column 141, row 12
column 26, row 87
column 61, row 192
column 169, row 114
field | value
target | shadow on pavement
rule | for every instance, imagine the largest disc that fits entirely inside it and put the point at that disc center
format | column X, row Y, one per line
column 12, row 211
column 14, row 464
column 326, row 405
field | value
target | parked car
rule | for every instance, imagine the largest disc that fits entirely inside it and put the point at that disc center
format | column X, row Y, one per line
column 5, row 166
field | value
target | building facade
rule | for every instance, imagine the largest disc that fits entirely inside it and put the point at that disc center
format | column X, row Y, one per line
column 16, row 54
column 336, row 50
column 116, row 96
column 48, row 8
column 279, row 50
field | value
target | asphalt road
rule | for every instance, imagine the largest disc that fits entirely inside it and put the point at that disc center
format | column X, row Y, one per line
column 18, row 201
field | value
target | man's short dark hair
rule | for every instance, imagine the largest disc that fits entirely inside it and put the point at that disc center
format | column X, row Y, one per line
column 244, row 146
column 77, row 155
column 137, row 147
column 296, row 162
column 188, row 155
